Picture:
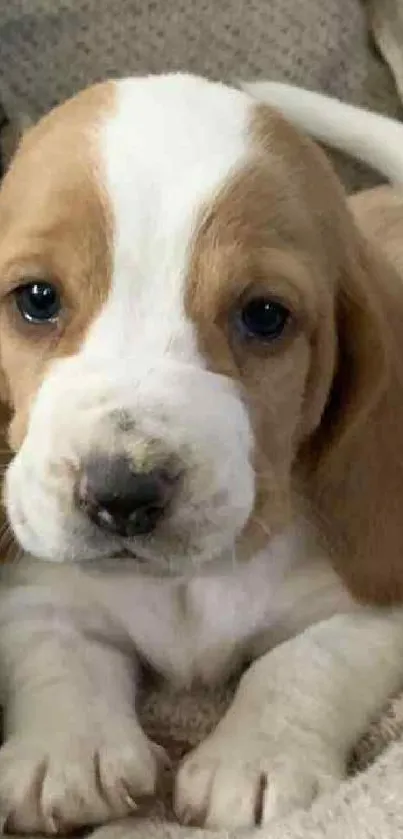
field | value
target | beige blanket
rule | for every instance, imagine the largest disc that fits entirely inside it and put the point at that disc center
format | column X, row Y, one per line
column 49, row 49
column 370, row 805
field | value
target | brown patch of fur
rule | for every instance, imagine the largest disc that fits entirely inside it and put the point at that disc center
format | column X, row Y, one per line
column 379, row 213
column 239, row 251
column 55, row 225
column 359, row 496
column 326, row 403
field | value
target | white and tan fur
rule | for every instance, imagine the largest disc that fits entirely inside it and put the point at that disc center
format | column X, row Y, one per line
column 156, row 203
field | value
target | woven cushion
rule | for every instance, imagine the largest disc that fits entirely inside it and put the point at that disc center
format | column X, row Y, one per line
column 49, row 49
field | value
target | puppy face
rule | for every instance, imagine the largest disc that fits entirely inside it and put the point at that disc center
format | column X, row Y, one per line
column 171, row 266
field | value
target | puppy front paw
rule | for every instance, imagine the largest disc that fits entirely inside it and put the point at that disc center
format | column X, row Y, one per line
column 55, row 784
column 245, row 779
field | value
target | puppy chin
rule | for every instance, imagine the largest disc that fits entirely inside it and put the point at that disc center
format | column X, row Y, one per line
column 181, row 553
column 178, row 554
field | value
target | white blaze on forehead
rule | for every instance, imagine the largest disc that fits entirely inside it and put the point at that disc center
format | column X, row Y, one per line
column 168, row 148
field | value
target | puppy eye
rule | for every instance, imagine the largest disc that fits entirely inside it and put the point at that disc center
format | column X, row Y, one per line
column 38, row 302
column 263, row 319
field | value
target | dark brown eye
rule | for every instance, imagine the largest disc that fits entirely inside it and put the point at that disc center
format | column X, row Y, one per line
column 38, row 302
column 263, row 319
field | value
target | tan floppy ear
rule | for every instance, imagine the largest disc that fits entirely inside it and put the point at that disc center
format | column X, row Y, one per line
column 363, row 352
column 356, row 277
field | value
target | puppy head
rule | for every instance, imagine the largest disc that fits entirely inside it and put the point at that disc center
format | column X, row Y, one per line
column 174, row 263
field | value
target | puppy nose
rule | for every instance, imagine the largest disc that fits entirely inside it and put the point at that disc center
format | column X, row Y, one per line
column 120, row 500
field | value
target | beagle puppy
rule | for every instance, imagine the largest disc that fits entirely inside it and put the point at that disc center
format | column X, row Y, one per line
column 202, row 385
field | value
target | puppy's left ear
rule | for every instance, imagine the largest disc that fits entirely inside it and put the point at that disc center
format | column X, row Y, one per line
column 364, row 350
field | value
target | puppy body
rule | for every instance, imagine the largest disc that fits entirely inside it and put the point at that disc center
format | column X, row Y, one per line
column 180, row 200
column 71, row 645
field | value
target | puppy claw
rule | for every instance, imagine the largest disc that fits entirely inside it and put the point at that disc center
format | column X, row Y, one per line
column 84, row 783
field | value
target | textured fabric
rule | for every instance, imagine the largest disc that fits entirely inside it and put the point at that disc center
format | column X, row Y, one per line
column 49, row 49
column 386, row 17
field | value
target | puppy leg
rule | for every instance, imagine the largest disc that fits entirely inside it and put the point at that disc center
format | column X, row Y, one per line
column 297, row 713
column 74, row 752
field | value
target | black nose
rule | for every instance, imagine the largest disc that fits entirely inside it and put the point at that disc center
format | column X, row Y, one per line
column 121, row 500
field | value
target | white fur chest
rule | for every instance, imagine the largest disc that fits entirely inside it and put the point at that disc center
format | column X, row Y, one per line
column 200, row 628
